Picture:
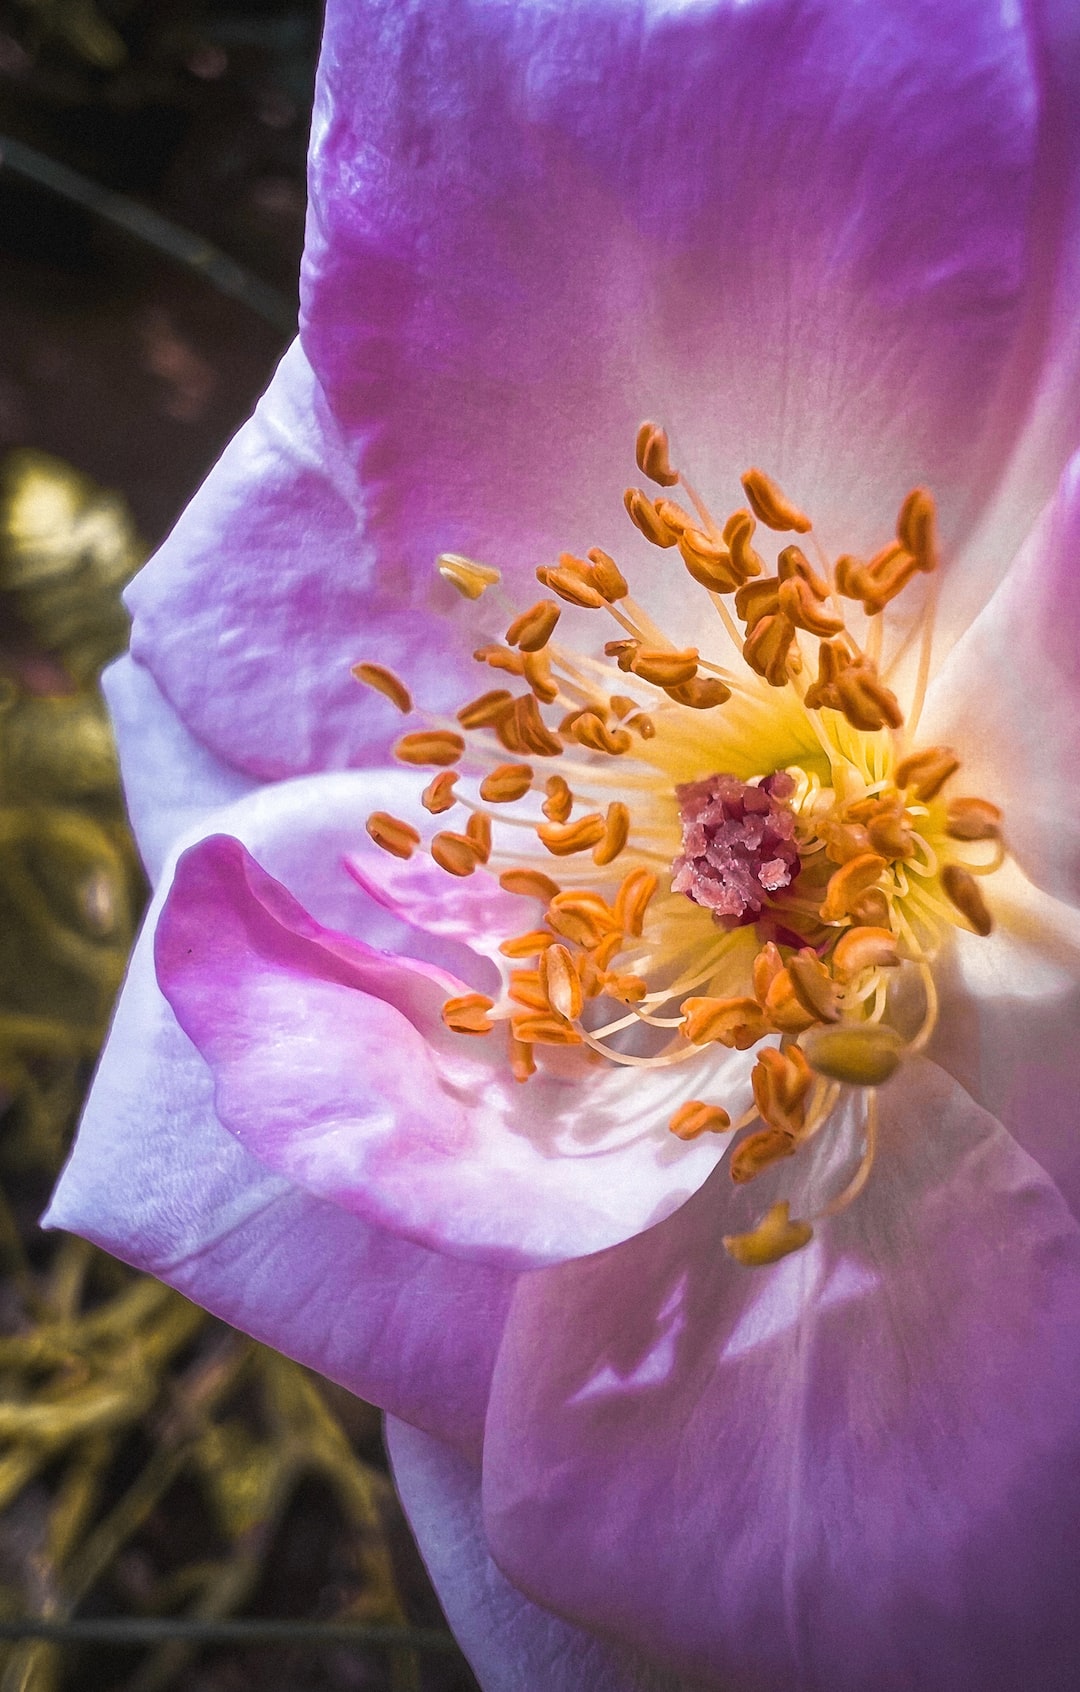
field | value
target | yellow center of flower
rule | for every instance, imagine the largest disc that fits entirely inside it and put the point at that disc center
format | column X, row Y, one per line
column 745, row 845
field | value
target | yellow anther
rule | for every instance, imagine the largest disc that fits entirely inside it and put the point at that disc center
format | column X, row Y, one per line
column 535, row 627
column 737, row 532
column 972, row 819
column 561, row 982
column 398, row 838
column 478, row 830
column 735, row 1022
column 482, row 712
column 801, row 607
column 438, row 795
column 559, row 802
column 385, row 682
column 571, row 587
column 606, row 577
column 616, row 834
column 522, row 1061
column 708, row 562
column 848, row 882
column 813, row 986
column 537, row 672
column 663, row 667
column 528, row 884
column 927, row 772
column 758, row 599
column 644, row 516
column 759, row 1151
column 651, row 452
column 468, row 1014
column 544, row 1031
column 695, row 1118
column 589, row 729
column 784, row 1009
column 792, row 561
column 865, row 1054
column 775, row 1236
column 916, row 528
column 562, row 840
column 430, row 746
column 632, row 900
column 701, row 694
column 864, row 948
column 470, row 578
column 500, row 658
column 455, row 853
column 781, row 1081
column 963, row 891
column 583, row 917
column 506, row 783
column 771, row 505
column 528, row 945
column 766, row 648
column 767, row 966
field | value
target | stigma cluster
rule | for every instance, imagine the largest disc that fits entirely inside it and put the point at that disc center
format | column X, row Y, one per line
column 596, row 781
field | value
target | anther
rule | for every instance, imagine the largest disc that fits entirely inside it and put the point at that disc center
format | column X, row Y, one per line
column 848, row 882
column 544, row 1031
column 791, row 561
column 430, row 746
column 651, row 452
column 963, row 891
column 927, row 772
column 781, row 1081
column 737, row 533
column 482, row 712
column 813, row 986
column 528, row 945
column 562, row 840
column 535, row 627
column 799, row 605
column 755, row 600
column 628, row 989
column 470, row 578
column 438, row 795
column 700, row 694
column 677, row 519
column 385, row 682
column 506, row 783
column 890, row 833
column 537, row 672
column 771, row 505
column 766, row 648
column 583, row 917
column 735, row 1022
column 916, row 528
column 759, row 1151
column 527, row 989
column 522, row 1061
column 606, row 577
column 571, row 587
column 861, row 1055
column 972, row 819
column 775, row 1236
column 455, row 853
column 708, row 563
column 865, row 700
column 665, row 668
column 588, row 729
column 622, row 651
column 528, row 884
column 864, row 948
column 478, row 830
column 561, row 982
column 784, row 1010
column 468, row 1014
column 616, row 834
column 559, row 802
column 766, row 967
column 695, row 1118
column 398, row 838
column 644, row 516
column 500, row 658
column 632, row 900
column 521, row 728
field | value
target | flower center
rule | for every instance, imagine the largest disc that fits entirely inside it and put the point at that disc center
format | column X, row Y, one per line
column 744, row 846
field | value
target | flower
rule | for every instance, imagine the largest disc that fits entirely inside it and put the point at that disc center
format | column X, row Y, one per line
column 841, row 245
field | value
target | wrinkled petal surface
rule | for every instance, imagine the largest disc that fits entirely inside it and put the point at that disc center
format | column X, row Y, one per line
column 513, row 1645
column 858, row 1469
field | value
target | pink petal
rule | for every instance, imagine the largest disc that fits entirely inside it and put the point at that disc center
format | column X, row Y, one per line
column 478, row 913
column 859, row 1468
column 156, row 1180
column 332, row 1065
column 512, row 1645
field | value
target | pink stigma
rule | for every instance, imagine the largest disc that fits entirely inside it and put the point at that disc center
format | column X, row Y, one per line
column 738, row 845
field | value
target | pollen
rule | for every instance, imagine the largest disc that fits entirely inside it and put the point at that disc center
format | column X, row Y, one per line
column 732, row 839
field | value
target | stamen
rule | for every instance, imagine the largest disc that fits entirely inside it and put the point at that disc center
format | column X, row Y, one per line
column 651, row 452
column 482, row 712
column 430, row 746
column 535, row 627
column 438, row 795
column 505, row 784
column 616, row 834
column 559, row 802
column 398, row 838
column 468, row 1014
column 530, row 884
column 385, row 682
column 455, row 853
column 664, row 668
column 738, row 1023
column 695, row 1118
column 864, row 948
column 527, row 945
column 562, row 840
column 561, row 982
column 771, row 505
column 644, row 516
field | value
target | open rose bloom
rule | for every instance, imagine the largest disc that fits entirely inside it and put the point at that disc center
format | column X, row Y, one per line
column 628, row 1029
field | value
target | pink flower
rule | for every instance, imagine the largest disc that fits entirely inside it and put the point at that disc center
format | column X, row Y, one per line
column 840, row 242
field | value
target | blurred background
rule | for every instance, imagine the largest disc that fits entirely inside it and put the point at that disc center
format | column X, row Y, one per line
column 179, row 1508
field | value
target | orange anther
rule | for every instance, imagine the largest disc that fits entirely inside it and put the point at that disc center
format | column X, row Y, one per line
column 478, row 830
column 398, row 838
column 528, row 884
column 526, row 989
column 738, row 530
column 589, row 729
column 500, row 658
column 430, row 746
column 663, row 667
column 735, row 1022
column 628, row 989
column 562, row 840
column 570, row 586
column 385, row 682
column 583, row 917
column 506, row 783
column 606, row 577
column 438, row 795
column 972, row 819
column 543, row 1030
column 758, row 599
column 844, row 841
column 616, row 834
column 559, row 802
column 848, row 882
column 677, row 519
column 644, row 516
column 963, row 891
column 864, row 948
column 781, row 1081
column 784, row 1010
column 651, row 452
column 916, row 527
column 813, row 986
column 759, row 1151
column 455, row 853
column 632, row 899
column 470, row 578
column 535, row 627
column 767, row 966
column 708, row 562
column 865, row 700
column 528, row 945
column 871, row 908
column 642, row 725
column 927, row 772
column 701, row 694
column 695, row 1118
column 771, row 505
column 622, row 651
column 537, row 672
column 561, row 982
column 890, row 833
column 480, row 713
column 801, row 607
column 468, row 1014
column 792, row 561
column 766, row 648
column 521, row 728
column 522, row 1061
